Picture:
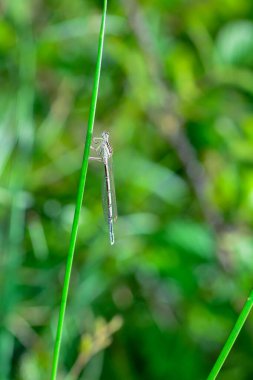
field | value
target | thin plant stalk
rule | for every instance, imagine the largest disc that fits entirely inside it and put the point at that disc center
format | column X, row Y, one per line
column 79, row 199
column 232, row 338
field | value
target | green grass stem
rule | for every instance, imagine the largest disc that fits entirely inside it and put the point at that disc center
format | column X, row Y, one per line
column 232, row 338
column 79, row 199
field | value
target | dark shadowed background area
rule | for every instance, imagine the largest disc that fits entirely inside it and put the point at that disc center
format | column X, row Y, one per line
column 176, row 96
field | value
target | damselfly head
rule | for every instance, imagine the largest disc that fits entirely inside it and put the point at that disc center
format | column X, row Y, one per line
column 105, row 136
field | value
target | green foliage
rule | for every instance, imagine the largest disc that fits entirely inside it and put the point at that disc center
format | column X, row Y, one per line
column 235, row 43
column 176, row 97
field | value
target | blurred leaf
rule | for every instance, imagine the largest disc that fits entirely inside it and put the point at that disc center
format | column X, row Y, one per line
column 191, row 238
column 235, row 43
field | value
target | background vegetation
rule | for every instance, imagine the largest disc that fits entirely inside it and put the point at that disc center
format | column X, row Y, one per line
column 176, row 96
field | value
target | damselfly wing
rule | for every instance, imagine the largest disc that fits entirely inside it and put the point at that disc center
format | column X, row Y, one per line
column 113, row 194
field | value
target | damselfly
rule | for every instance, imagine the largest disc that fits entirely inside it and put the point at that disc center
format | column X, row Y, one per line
column 104, row 150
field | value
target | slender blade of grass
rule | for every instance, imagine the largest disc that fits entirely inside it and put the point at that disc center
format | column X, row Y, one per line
column 232, row 338
column 79, row 199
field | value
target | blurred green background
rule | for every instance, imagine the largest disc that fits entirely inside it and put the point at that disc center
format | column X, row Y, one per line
column 176, row 96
